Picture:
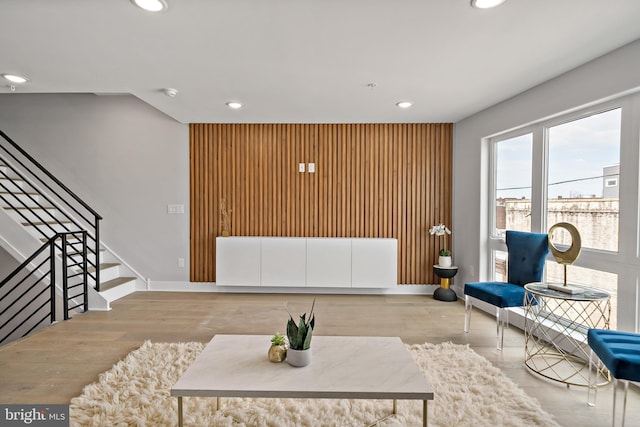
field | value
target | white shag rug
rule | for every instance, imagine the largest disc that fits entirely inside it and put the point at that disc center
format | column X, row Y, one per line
column 469, row 391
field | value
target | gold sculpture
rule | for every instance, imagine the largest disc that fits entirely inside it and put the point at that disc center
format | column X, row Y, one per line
column 569, row 256
column 224, row 218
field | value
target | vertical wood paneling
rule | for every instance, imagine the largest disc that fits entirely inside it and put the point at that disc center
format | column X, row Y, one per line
column 371, row 180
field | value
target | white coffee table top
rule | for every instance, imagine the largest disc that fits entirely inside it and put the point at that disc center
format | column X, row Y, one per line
column 341, row 367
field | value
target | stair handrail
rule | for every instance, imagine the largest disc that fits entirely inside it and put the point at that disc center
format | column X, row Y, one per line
column 96, row 216
column 48, row 174
column 34, row 270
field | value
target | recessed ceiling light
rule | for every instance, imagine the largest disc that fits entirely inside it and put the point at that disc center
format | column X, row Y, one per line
column 486, row 4
column 404, row 104
column 234, row 105
column 14, row 78
column 151, row 5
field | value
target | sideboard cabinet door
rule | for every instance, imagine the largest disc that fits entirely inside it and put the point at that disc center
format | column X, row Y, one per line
column 329, row 262
column 374, row 263
column 238, row 261
column 284, row 261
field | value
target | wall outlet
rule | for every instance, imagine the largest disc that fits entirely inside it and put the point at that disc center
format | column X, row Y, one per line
column 300, row 167
column 181, row 262
column 312, row 168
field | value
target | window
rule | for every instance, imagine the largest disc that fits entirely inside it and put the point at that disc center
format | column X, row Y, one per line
column 512, row 184
column 500, row 266
column 584, row 159
column 568, row 169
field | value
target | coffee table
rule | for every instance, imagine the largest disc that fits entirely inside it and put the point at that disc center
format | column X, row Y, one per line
column 341, row 368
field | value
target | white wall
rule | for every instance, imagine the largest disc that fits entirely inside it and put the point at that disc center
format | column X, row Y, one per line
column 124, row 158
column 7, row 263
column 610, row 76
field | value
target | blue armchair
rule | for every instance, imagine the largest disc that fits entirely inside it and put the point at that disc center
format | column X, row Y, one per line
column 527, row 252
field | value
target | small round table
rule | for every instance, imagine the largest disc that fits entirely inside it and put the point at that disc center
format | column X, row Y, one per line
column 444, row 293
column 555, row 331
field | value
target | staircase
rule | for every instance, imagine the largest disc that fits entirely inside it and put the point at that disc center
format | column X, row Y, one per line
column 34, row 206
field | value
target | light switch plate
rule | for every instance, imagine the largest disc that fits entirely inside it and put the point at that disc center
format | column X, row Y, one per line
column 300, row 167
column 175, row 209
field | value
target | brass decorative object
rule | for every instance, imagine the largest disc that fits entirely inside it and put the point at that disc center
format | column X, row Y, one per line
column 277, row 353
column 224, row 218
column 278, row 349
column 569, row 256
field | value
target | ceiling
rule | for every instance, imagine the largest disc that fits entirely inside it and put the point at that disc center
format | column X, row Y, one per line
column 307, row 61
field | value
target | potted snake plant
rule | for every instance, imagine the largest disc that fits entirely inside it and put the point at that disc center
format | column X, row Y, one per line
column 299, row 335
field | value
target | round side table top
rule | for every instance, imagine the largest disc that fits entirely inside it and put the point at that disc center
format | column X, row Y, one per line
column 585, row 293
column 445, row 272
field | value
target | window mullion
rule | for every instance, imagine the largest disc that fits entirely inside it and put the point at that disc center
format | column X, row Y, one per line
column 538, row 181
column 629, row 152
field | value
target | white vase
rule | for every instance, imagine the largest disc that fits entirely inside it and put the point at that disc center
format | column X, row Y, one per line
column 444, row 261
column 298, row 358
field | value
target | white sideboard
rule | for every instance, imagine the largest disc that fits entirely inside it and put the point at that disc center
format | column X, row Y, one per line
column 307, row 262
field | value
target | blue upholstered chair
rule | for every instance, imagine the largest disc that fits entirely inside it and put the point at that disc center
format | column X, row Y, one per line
column 525, row 264
column 620, row 353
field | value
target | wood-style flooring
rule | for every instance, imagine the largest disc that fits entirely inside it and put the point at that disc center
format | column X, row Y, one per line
column 52, row 365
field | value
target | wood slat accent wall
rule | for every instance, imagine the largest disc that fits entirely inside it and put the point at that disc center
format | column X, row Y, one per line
column 371, row 180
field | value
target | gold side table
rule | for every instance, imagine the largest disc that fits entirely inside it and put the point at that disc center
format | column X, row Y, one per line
column 555, row 329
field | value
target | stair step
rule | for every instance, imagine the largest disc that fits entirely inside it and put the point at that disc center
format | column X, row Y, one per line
column 108, row 271
column 114, row 283
column 32, row 214
column 47, row 222
column 70, row 239
column 104, row 266
column 19, row 198
column 12, row 183
column 39, row 223
column 21, row 208
column 40, row 211
column 89, row 252
column 91, row 259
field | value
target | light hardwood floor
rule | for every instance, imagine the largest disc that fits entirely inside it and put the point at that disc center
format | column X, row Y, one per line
column 54, row 364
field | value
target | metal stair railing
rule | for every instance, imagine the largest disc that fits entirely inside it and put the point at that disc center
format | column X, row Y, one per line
column 37, row 213
column 28, row 294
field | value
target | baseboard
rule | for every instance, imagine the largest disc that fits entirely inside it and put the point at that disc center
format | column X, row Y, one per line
column 168, row 286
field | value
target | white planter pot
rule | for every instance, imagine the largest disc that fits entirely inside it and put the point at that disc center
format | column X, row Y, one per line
column 444, row 261
column 299, row 358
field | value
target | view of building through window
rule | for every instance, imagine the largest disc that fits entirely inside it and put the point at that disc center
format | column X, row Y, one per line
column 583, row 178
column 513, row 184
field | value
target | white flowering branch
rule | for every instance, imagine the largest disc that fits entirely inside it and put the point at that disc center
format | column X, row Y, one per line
column 441, row 230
